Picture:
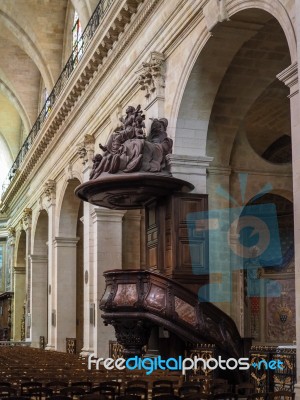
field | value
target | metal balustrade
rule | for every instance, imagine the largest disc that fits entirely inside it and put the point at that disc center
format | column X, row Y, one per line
column 78, row 50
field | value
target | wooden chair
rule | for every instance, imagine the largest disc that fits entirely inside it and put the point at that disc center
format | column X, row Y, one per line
column 7, row 391
column 162, row 382
column 115, row 384
column 87, row 386
column 138, row 383
column 129, row 397
column 162, row 390
column 26, row 386
column 225, row 396
column 72, row 391
column 257, row 396
column 188, row 389
column 56, row 386
column 244, row 389
column 167, row 397
column 199, row 396
column 40, row 392
column 60, row 397
column 281, row 395
column 108, row 391
column 137, row 391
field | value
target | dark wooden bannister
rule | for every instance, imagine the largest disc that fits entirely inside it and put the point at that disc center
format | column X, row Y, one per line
column 136, row 300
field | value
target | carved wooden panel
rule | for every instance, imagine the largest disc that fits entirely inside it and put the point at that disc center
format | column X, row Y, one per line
column 175, row 246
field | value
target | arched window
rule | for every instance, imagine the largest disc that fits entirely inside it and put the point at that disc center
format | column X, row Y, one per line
column 77, row 42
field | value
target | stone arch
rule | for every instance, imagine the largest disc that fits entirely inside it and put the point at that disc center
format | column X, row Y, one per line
column 276, row 265
column 69, row 270
column 40, row 234
column 29, row 47
column 19, row 287
column 39, row 279
column 6, row 161
column 68, row 209
column 199, row 75
column 10, row 94
column 277, row 10
column 225, row 80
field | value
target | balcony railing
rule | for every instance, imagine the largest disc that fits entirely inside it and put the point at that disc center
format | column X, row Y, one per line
column 77, row 53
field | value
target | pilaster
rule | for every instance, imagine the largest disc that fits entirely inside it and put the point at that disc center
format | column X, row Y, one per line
column 290, row 78
column 64, row 311
column 191, row 169
column 107, row 254
column 26, row 222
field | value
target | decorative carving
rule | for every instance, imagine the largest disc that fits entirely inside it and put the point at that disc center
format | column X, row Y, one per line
column 11, row 232
column 185, row 311
column 132, row 335
column 281, row 315
column 152, row 76
column 267, row 380
column 126, row 295
column 41, row 207
column 156, row 298
column 85, row 149
column 26, row 218
column 178, row 307
column 129, row 150
column 71, row 345
column 69, row 172
column 50, row 190
column 115, row 350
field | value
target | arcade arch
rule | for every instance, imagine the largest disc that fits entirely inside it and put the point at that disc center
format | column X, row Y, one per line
column 69, row 271
column 230, row 111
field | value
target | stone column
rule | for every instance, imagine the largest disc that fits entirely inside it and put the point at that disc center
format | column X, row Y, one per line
column 48, row 200
column 86, row 153
column 26, row 221
column 64, row 312
column 190, row 168
column 38, row 299
column 290, row 77
column 107, row 254
column 19, row 296
column 11, row 259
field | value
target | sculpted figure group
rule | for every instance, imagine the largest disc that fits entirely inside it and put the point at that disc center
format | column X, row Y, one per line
column 129, row 149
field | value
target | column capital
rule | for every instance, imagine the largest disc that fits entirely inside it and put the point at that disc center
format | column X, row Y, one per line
column 107, row 215
column 49, row 190
column 85, row 149
column 37, row 258
column 151, row 76
column 11, row 236
column 184, row 164
column 60, row 241
column 27, row 218
column 19, row 270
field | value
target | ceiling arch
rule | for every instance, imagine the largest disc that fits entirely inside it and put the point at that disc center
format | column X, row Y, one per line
column 29, row 47
column 9, row 93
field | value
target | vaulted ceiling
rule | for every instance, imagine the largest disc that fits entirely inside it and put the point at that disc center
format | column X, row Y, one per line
column 35, row 42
